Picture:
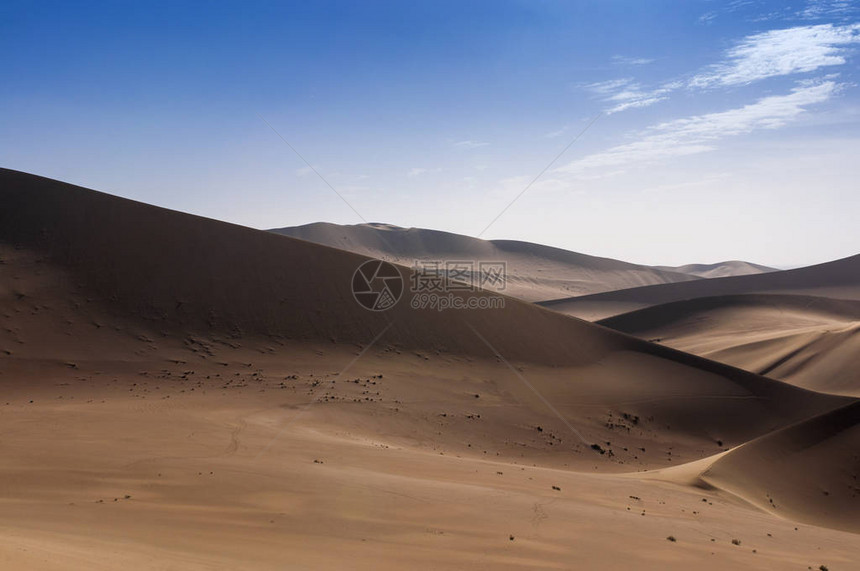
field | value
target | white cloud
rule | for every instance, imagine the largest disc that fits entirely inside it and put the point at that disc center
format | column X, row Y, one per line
column 818, row 9
column 700, row 133
column 609, row 87
column 304, row 171
column 735, row 5
column 790, row 51
column 469, row 144
column 418, row 171
column 625, row 60
column 628, row 94
column 643, row 101
column 556, row 133
column 707, row 18
column 775, row 53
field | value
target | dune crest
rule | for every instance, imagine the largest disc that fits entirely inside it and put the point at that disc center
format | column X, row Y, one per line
column 805, row 340
column 534, row 272
column 720, row 269
column 839, row 279
column 807, row 472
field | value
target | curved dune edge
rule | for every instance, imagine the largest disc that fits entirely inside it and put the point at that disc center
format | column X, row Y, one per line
column 808, row 341
column 808, row 472
column 839, row 279
column 720, row 269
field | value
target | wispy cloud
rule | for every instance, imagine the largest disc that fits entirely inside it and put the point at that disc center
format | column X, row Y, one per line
column 637, row 100
column 418, row 171
column 609, row 87
column 470, row 144
column 556, row 133
column 628, row 94
column 801, row 49
column 819, row 9
column 625, row 60
column 735, row 5
column 700, row 133
column 707, row 18
column 790, row 51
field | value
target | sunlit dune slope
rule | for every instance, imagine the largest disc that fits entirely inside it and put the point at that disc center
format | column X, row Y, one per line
column 719, row 269
column 839, row 279
column 809, row 341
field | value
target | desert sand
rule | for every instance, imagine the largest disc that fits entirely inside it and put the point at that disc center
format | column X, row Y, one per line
column 182, row 393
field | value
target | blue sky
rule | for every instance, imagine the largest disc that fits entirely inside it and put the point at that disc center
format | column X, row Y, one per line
column 723, row 129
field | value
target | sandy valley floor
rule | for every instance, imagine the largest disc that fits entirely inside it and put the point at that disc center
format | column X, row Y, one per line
column 150, row 465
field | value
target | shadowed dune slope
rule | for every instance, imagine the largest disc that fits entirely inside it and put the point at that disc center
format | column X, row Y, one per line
column 807, row 472
column 839, row 279
column 808, row 341
column 181, row 272
column 534, row 272
column 175, row 273
column 720, row 269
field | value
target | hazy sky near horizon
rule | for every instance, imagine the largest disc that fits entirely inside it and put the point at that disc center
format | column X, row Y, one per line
column 719, row 130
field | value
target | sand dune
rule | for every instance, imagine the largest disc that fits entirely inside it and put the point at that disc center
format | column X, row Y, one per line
column 806, row 472
column 808, row 341
column 534, row 272
column 719, row 269
column 839, row 279
column 826, row 491
column 181, row 392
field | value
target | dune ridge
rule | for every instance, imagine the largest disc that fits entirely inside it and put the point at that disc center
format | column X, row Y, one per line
column 720, row 269
column 805, row 340
column 534, row 272
column 839, row 279
column 825, row 492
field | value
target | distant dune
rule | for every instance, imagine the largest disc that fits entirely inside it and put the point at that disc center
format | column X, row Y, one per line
column 534, row 272
column 839, row 279
column 720, row 269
